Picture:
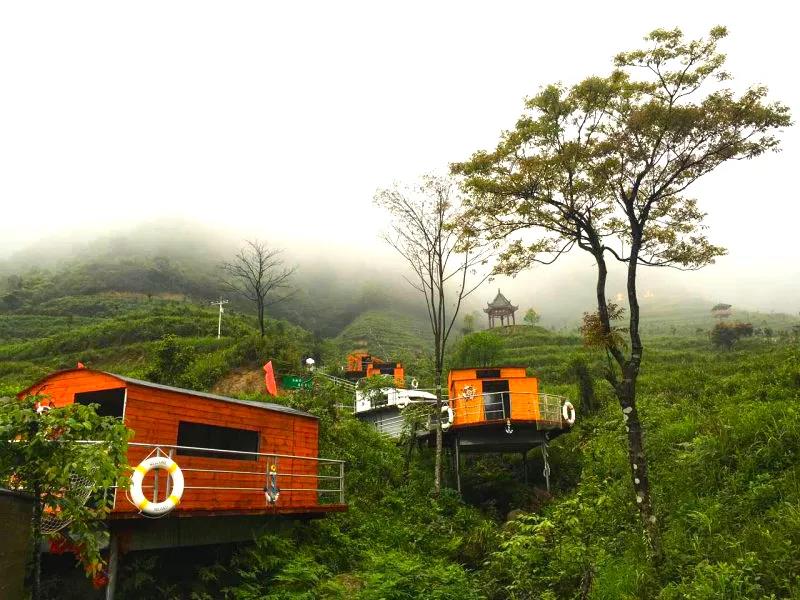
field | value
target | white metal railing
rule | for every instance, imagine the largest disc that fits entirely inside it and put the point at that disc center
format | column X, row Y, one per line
column 545, row 409
column 328, row 473
column 346, row 384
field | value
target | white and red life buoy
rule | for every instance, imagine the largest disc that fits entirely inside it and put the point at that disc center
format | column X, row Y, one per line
column 568, row 412
column 137, row 495
column 447, row 417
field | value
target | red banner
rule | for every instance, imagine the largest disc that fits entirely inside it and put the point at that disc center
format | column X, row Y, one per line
column 269, row 379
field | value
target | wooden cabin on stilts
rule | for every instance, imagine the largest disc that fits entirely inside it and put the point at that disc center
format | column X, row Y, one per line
column 207, row 468
column 500, row 409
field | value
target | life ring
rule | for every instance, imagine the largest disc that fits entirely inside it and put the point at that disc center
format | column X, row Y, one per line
column 568, row 412
column 446, row 410
column 415, row 383
column 137, row 496
column 468, row 392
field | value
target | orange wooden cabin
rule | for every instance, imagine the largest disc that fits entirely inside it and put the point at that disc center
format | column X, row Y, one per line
column 224, row 446
column 485, row 395
column 363, row 364
column 501, row 408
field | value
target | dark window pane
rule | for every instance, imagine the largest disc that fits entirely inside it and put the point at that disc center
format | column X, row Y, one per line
column 487, row 373
column 199, row 435
column 496, row 400
column 111, row 402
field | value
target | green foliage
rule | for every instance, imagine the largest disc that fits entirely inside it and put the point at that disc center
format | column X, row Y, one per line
column 479, row 349
column 400, row 576
column 43, row 454
column 532, row 317
column 170, row 361
column 579, row 370
column 725, row 335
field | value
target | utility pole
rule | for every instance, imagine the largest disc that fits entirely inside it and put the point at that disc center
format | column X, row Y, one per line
column 220, row 303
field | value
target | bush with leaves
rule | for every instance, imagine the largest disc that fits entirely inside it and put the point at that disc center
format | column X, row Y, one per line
column 45, row 454
column 480, row 349
column 725, row 335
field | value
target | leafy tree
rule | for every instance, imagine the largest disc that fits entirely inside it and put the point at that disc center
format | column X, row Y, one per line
column 479, row 349
column 441, row 263
column 603, row 166
column 725, row 335
column 44, row 455
column 532, row 317
column 579, row 371
column 171, row 361
column 468, row 325
column 255, row 273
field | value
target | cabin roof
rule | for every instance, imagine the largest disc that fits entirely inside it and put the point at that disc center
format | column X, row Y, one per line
column 491, row 367
column 149, row 384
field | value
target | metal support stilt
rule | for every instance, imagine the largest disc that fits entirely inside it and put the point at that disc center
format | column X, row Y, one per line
column 113, row 562
column 458, row 465
column 546, row 471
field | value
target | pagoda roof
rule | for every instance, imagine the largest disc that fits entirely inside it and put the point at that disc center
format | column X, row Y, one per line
column 501, row 301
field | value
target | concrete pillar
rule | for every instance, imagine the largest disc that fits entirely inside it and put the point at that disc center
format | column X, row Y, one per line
column 113, row 565
column 458, row 465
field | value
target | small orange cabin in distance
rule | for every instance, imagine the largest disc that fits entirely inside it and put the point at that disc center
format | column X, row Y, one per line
column 363, row 364
column 224, row 447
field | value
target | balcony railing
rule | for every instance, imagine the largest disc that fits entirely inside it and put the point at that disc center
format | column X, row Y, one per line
column 302, row 480
column 545, row 409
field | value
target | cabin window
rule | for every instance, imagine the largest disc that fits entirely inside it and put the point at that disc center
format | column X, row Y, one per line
column 487, row 373
column 200, row 435
column 111, row 403
column 496, row 400
column 387, row 369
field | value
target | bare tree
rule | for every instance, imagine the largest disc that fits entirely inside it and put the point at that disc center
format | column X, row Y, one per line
column 444, row 265
column 256, row 273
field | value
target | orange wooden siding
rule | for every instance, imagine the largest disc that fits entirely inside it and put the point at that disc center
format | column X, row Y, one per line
column 153, row 414
column 523, row 392
column 355, row 363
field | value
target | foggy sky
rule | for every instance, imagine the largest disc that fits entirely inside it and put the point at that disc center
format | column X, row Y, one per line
column 280, row 120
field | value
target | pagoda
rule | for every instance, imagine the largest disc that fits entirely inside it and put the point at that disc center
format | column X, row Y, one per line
column 502, row 308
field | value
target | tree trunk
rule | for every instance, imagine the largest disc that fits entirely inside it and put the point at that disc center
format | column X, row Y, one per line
column 625, row 390
column 409, row 452
column 626, row 393
column 640, row 472
column 437, row 476
column 261, row 317
column 36, row 566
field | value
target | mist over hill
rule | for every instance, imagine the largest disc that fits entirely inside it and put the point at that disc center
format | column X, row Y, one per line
column 180, row 260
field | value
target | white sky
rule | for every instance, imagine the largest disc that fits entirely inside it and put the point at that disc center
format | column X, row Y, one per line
column 281, row 119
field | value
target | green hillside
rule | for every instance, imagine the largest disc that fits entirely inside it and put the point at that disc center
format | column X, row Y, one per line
column 723, row 435
column 128, row 342
column 388, row 334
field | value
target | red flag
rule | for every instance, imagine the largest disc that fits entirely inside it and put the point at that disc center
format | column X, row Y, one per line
column 269, row 379
column 81, row 365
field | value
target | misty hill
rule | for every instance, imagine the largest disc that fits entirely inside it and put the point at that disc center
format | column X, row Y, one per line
column 387, row 334
column 166, row 261
column 173, row 261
